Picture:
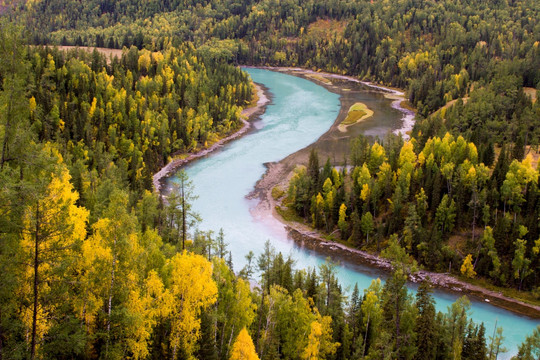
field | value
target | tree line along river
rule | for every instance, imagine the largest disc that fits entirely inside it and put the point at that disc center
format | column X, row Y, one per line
column 299, row 113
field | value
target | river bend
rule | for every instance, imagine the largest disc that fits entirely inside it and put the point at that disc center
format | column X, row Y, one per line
column 300, row 112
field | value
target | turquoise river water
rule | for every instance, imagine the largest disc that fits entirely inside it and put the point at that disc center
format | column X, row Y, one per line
column 300, row 112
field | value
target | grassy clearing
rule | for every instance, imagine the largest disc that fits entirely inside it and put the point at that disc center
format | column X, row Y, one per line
column 353, row 117
column 327, row 29
column 320, row 78
column 105, row 51
column 358, row 107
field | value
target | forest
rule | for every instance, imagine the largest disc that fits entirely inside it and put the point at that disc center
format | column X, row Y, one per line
column 97, row 265
column 485, row 52
column 436, row 202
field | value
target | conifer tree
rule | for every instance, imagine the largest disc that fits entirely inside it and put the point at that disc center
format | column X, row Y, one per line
column 425, row 323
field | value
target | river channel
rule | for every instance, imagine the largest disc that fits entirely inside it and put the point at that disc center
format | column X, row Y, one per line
column 300, row 112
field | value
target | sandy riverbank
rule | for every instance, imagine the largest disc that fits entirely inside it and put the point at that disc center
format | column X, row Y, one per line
column 247, row 115
column 328, row 80
column 279, row 173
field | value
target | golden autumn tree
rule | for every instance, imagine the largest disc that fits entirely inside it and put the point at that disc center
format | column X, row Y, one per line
column 320, row 342
column 467, row 267
column 193, row 290
column 312, row 350
column 111, row 279
column 145, row 307
column 53, row 225
column 243, row 348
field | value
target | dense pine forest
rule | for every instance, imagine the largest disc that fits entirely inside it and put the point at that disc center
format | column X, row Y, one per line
column 97, row 265
column 448, row 207
column 484, row 51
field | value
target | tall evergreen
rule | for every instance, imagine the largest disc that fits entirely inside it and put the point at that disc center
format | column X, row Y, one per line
column 398, row 316
column 207, row 341
column 426, row 341
column 313, row 170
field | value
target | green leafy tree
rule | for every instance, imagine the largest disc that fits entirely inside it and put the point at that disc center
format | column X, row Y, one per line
column 521, row 263
column 15, row 107
column 446, row 214
column 181, row 215
column 530, row 348
column 367, row 225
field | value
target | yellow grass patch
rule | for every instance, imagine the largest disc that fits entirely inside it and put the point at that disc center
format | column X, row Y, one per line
column 320, row 78
column 358, row 112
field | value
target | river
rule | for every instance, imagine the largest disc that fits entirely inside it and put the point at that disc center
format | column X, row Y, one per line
column 300, row 112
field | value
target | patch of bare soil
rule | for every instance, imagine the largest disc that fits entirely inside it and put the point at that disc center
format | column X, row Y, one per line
column 109, row 53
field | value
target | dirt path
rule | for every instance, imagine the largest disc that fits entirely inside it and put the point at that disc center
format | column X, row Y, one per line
column 247, row 114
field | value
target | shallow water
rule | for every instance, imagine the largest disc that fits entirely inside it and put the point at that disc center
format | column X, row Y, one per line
column 299, row 114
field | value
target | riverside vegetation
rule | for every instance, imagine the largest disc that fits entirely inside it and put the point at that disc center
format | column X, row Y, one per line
column 95, row 265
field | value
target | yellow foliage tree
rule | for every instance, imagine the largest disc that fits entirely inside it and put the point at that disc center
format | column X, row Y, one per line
column 243, row 348
column 109, row 280
column 467, row 268
column 320, row 342
column 145, row 307
column 312, row 350
column 53, row 226
column 193, row 289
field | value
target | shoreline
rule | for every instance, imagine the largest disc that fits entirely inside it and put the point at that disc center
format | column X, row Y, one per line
column 313, row 240
column 397, row 95
column 279, row 173
column 246, row 116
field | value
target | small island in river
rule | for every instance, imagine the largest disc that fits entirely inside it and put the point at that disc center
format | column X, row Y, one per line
column 357, row 113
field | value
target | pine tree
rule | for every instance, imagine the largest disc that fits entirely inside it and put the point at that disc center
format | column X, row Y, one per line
column 181, row 215
column 207, row 342
column 530, row 348
column 425, row 322
column 397, row 316
column 313, row 171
